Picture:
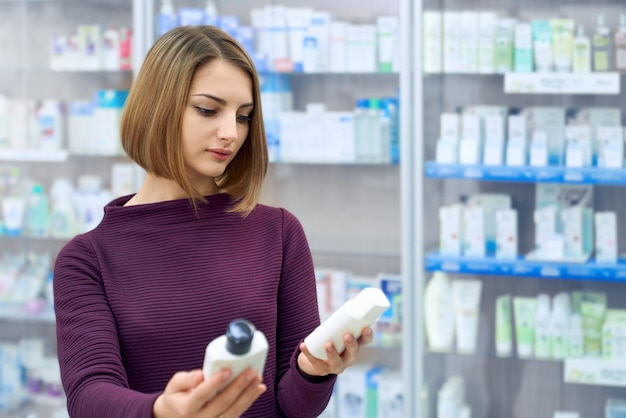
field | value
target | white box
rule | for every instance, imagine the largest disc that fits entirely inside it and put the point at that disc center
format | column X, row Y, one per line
column 361, row 48
column 122, row 179
column 506, row 234
column 452, row 42
column 517, row 139
column 606, row 237
column 450, row 230
column 354, row 388
column 474, row 241
column 469, row 42
column 337, row 46
column 432, row 45
column 494, row 140
column 391, row 394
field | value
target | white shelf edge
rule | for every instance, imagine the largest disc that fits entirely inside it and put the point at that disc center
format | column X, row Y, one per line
column 562, row 83
column 33, row 155
column 595, row 371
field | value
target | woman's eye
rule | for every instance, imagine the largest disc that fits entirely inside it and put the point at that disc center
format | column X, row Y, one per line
column 205, row 112
column 244, row 118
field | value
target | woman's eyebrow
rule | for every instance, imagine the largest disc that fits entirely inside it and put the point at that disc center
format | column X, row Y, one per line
column 220, row 100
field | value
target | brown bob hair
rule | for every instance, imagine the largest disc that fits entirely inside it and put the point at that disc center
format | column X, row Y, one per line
column 152, row 117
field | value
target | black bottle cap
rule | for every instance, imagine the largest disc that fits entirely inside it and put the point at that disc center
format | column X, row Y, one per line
column 239, row 335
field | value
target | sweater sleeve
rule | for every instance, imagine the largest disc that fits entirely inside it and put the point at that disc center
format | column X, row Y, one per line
column 92, row 371
column 298, row 315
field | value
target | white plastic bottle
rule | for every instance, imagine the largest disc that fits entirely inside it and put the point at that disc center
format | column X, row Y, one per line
column 601, row 46
column 241, row 347
column 361, row 130
column 374, row 148
column 4, row 122
column 355, row 314
column 543, row 334
column 211, row 16
column 439, row 313
column 581, row 60
column 63, row 216
column 50, row 124
column 89, row 202
column 559, row 323
column 576, row 336
column 167, row 19
column 37, row 212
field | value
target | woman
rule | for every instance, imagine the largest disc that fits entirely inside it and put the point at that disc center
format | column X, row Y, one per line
column 139, row 297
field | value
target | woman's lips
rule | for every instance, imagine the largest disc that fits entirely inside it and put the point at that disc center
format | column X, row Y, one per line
column 221, row 155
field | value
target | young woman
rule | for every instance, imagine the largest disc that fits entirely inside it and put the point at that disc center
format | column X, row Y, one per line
column 139, row 297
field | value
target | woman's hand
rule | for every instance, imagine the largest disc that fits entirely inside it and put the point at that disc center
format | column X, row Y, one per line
column 336, row 362
column 188, row 395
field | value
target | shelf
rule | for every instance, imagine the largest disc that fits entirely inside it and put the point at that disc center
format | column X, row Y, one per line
column 520, row 267
column 608, row 83
column 527, row 174
column 492, row 356
column 579, row 370
column 47, row 71
column 334, row 163
column 327, row 73
column 31, row 238
column 43, row 156
column 29, row 155
column 595, row 371
column 562, row 83
column 19, row 313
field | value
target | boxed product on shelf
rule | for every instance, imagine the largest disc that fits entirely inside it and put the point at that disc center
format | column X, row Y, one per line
column 488, row 42
column 91, row 48
column 357, row 391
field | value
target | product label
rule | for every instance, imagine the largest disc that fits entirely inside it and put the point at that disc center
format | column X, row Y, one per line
column 595, row 372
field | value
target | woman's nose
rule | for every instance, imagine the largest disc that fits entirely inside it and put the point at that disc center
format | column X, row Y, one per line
column 228, row 128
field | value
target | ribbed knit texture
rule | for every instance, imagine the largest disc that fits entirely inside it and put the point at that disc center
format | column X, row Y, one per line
column 138, row 299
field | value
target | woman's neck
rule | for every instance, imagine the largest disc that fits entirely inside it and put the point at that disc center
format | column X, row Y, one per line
column 157, row 189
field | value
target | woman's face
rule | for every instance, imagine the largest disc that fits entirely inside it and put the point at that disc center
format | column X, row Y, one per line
column 216, row 120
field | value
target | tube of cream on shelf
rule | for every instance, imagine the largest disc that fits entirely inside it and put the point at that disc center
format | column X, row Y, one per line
column 504, row 327
column 542, row 46
column 438, row 313
column 592, row 307
column 524, row 315
column 466, row 302
column 13, row 208
column 562, row 43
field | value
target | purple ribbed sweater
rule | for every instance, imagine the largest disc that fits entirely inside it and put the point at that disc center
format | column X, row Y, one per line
column 138, row 298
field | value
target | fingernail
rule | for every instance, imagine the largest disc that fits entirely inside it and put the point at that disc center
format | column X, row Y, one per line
column 225, row 374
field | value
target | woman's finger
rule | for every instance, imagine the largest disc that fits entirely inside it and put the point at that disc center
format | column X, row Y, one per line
column 207, row 391
column 241, row 404
column 230, row 394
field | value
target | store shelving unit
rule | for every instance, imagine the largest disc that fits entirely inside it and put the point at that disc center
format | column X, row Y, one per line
column 528, row 174
column 507, row 386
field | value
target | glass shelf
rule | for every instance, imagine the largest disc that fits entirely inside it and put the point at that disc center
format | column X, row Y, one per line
column 44, row 156
column 328, row 73
column 29, row 155
column 575, row 370
column 608, row 83
column 19, row 313
column 562, row 83
column 333, row 163
column 550, row 174
column 523, row 268
column 46, row 71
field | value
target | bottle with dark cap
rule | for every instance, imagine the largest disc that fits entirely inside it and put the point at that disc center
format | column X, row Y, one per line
column 242, row 346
